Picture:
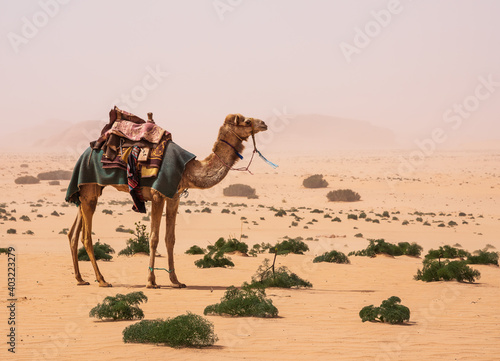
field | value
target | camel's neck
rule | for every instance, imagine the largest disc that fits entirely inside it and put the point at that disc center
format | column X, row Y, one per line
column 212, row 170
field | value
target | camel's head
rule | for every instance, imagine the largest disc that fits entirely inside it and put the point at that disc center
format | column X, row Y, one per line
column 243, row 126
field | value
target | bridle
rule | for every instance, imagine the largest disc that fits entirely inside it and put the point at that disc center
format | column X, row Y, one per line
column 255, row 150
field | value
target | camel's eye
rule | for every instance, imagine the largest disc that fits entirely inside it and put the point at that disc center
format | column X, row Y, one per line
column 248, row 121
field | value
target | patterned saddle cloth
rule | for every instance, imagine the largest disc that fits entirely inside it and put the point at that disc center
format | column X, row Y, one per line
column 125, row 131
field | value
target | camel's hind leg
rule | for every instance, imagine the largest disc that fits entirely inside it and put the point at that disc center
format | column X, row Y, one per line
column 88, row 199
column 172, row 206
column 74, row 236
column 157, row 205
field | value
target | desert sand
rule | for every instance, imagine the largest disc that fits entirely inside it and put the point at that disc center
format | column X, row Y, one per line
column 449, row 320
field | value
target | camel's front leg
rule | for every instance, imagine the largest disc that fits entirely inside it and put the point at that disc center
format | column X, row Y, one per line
column 172, row 206
column 157, row 205
column 74, row 236
column 87, row 207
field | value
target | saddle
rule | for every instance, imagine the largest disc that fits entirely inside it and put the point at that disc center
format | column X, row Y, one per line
column 126, row 132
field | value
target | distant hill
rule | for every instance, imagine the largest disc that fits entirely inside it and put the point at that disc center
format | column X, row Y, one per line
column 313, row 133
column 297, row 134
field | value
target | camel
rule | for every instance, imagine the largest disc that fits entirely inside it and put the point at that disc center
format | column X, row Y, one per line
column 197, row 174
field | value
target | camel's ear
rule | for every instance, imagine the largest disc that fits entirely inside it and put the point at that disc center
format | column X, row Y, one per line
column 236, row 119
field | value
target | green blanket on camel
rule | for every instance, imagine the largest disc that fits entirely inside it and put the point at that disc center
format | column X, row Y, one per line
column 91, row 172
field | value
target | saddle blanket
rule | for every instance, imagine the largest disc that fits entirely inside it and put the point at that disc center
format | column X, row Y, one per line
column 89, row 170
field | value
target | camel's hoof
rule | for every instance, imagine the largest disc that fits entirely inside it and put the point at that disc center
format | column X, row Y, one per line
column 105, row 284
column 153, row 286
column 181, row 285
column 83, row 283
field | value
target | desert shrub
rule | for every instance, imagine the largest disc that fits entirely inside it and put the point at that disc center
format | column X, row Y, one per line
column 120, row 307
column 101, row 251
column 239, row 190
column 4, row 250
column 244, row 302
column 259, row 248
column 123, row 230
column 352, row 216
column 447, row 252
column 214, row 259
column 107, row 211
column 332, row 257
column 268, row 276
column 187, row 330
column 336, row 219
column 405, row 223
column 206, row 210
column 343, row 195
column 54, row 183
column 315, row 181
column 55, row 175
column 359, row 235
column 452, row 223
column 139, row 244
column 27, row 179
column 412, row 249
column 55, row 213
column 362, row 215
column 446, row 270
column 11, row 231
column 195, row 250
column 225, row 210
column 390, row 311
column 483, row 257
column 378, row 246
column 291, row 245
column 25, row 218
column 228, row 246
column 29, row 232
column 280, row 213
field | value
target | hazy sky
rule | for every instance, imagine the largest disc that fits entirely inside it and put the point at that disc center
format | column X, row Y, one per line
column 413, row 66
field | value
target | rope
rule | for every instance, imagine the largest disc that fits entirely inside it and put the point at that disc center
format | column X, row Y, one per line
column 164, row 269
column 255, row 150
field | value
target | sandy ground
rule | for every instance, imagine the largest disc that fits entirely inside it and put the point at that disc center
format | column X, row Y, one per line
column 449, row 320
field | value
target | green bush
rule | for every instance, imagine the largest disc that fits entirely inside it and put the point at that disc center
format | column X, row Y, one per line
column 239, row 190
column 315, row 181
column 280, row 213
column 352, row 216
column 139, row 244
column 483, row 257
column 244, row 302
column 55, row 175
column 259, row 248
column 27, row 180
column 214, row 259
column 11, row 231
column 228, row 246
column 332, row 257
column 446, row 270
column 390, row 311
column 378, row 246
column 282, row 277
column 343, row 195
column 447, row 252
column 4, row 250
column 188, row 330
column 120, row 307
column 195, row 250
column 290, row 245
column 101, row 251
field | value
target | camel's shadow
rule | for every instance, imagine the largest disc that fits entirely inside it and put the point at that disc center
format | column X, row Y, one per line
column 164, row 287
